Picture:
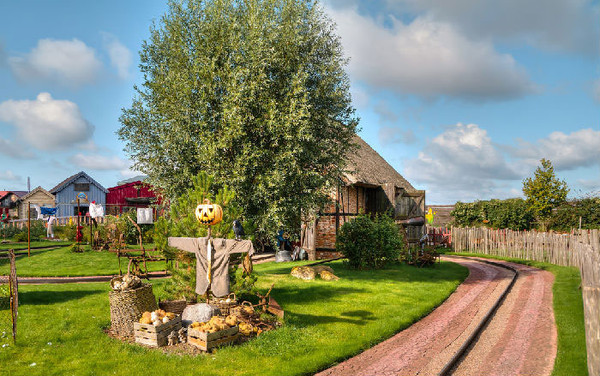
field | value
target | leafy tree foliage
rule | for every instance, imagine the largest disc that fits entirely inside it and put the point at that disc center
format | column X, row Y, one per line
column 253, row 92
column 566, row 216
column 513, row 214
column 370, row 243
column 544, row 191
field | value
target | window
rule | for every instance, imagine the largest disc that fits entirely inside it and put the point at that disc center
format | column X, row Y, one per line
column 81, row 187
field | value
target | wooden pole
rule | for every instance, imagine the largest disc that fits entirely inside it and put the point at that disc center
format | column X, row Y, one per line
column 28, row 228
column 209, row 262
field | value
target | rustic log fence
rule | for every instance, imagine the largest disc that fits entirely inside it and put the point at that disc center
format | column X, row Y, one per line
column 579, row 248
column 9, row 298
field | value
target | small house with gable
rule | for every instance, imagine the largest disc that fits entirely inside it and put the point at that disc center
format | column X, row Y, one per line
column 370, row 186
column 39, row 196
column 9, row 203
column 66, row 192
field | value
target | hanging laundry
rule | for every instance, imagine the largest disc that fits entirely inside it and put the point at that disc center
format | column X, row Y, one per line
column 145, row 216
column 48, row 211
column 96, row 210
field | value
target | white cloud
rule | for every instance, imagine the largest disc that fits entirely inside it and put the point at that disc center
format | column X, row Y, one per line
column 557, row 25
column 120, row 56
column 13, row 150
column 67, row 62
column 427, row 58
column 8, row 175
column 462, row 163
column 99, row 162
column 561, row 25
column 47, row 123
column 566, row 151
column 129, row 173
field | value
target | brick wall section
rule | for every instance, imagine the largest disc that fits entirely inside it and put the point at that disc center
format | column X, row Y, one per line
column 326, row 225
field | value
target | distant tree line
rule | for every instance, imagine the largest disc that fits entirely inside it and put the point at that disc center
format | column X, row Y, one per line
column 545, row 208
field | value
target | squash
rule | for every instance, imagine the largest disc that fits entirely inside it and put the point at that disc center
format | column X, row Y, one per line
column 209, row 214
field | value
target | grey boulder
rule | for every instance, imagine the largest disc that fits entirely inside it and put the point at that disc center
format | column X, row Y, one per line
column 200, row 312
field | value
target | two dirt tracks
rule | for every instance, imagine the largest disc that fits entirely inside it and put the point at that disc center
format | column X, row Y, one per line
column 500, row 321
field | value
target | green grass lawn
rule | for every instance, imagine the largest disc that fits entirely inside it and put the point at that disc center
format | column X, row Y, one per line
column 61, row 262
column 325, row 323
column 23, row 245
column 571, row 358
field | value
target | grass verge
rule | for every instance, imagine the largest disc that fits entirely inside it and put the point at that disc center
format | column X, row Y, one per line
column 61, row 262
column 60, row 326
column 571, row 357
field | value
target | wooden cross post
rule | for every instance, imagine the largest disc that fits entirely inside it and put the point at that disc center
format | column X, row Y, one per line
column 28, row 228
column 209, row 260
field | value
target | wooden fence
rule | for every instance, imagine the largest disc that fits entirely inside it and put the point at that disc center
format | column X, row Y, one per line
column 579, row 248
column 60, row 221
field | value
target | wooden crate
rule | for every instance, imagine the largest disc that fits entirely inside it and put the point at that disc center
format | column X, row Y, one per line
column 156, row 336
column 206, row 341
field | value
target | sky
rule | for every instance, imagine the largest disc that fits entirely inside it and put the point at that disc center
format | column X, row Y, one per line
column 462, row 97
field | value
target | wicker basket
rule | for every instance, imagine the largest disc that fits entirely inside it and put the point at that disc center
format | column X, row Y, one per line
column 126, row 307
column 175, row 306
column 241, row 310
column 224, row 307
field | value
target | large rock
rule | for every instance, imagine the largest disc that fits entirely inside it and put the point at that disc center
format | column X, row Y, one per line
column 303, row 272
column 283, row 256
column 200, row 312
column 319, row 268
column 311, row 272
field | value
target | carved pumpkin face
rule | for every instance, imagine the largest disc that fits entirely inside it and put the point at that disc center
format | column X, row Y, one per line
column 209, row 214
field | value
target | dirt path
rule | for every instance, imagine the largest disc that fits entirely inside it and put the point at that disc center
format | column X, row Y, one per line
column 521, row 338
column 428, row 345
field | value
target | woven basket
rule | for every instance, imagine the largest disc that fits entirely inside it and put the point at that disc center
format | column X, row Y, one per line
column 126, row 307
column 220, row 303
column 175, row 306
column 240, row 310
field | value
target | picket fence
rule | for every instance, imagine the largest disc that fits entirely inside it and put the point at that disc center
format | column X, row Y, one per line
column 580, row 248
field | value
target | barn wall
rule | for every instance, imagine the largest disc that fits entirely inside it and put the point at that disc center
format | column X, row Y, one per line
column 66, row 199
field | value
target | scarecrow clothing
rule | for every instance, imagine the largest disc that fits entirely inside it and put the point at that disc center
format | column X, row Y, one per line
column 145, row 216
column 221, row 249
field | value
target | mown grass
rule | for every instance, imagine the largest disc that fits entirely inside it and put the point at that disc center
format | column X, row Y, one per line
column 23, row 245
column 571, row 357
column 61, row 262
column 325, row 323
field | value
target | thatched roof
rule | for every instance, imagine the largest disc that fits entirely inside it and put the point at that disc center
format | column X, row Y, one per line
column 367, row 167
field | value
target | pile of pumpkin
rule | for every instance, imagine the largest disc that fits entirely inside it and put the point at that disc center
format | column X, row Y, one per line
column 157, row 317
column 218, row 323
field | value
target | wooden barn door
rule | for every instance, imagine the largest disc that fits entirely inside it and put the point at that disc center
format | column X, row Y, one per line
column 411, row 205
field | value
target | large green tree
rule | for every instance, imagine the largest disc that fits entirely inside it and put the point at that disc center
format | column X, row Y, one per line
column 544, row 191
column 252, row 91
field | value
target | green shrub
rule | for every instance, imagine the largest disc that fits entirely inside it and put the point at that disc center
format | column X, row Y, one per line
column 370, row 243
column 566, row 216
column 513, row 214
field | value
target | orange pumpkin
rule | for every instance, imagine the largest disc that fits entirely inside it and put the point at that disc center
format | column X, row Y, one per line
column 209, row 214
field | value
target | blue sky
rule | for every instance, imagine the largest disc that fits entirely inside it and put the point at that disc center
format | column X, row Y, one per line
column 462, row 97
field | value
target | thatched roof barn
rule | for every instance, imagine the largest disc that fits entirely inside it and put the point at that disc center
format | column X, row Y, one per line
column 371, row 185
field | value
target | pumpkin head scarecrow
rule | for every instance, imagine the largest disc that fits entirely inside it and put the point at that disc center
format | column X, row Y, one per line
column 209, row 214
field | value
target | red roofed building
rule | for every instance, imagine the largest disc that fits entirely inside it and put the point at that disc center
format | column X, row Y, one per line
column 8, row 202
column 130, row 194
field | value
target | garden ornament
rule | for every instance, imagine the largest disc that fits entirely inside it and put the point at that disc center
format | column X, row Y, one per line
column 173, row 338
